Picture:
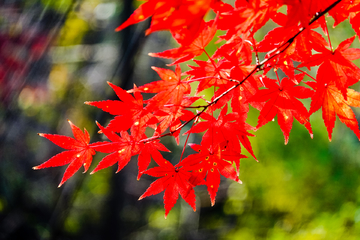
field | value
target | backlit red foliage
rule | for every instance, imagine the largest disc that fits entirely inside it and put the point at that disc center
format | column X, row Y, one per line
column 238, row 77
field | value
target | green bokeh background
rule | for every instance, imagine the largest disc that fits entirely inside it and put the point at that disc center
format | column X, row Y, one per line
column 308, row 189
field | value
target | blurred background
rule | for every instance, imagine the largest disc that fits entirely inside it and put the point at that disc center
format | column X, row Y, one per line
column 55, row 55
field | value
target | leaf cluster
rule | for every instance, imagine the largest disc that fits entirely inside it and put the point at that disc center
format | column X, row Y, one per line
column 299, row 43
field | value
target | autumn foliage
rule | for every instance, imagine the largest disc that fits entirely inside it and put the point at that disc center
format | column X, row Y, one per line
column 238, row 77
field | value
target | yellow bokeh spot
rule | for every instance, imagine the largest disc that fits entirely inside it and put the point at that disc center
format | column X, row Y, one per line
column 157, row 220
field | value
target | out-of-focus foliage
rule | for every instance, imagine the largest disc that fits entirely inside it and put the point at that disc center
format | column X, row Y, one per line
column 55, row 55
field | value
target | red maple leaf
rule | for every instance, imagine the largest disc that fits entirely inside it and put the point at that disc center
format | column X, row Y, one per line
column 241, row 94
column 144, row 157
column 345, row 9
column 247, row 15
column 236, row 48
column 121, row 148
column 230, row 128
column 304, row 10
column 209, row 74
column 79, row 152
column 331, row 99
column 355, row 21
column 247, row 88
column 183, row 19
column 173, row 179
column 170, row 90
column 339, row 63
column 171, row 115
column 196, row 48
column 128, row 111
column 300, row 48
column 211, row 162
column 282, row 101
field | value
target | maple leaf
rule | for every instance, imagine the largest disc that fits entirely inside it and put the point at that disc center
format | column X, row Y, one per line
column 79, row 152
column 300, row 48
column 121, row 149
column 128, row 111
column 210, row 162
column 171, row 89
column 196, row 48
column 345, row 9
column 183, row 19
column 247, row 15
column 173, row 179
column 355, row 22
column 144, row 157
column 331, row 99
column 282, row 101
column 209, row 74
column 241, row 94
column 170, row 115
column 230, row 128
column 236, row 48
column 339, row 64
column 247, row 88
column 304, row 10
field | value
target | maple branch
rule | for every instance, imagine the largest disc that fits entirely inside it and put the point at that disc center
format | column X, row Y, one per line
column 202, row 111
column 232, row 80
column 199, row 106
column 282, row 48
column 287, row 44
